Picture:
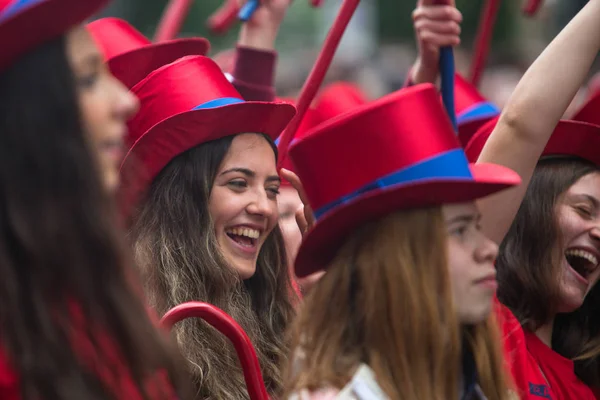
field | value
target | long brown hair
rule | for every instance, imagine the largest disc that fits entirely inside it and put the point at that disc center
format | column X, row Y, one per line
column 529, row 273
column 70, row 322
column 176, row 246
column 386, row 301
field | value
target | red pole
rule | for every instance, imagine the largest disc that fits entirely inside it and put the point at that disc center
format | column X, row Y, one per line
column 172, row 19
column 316, row 76
column 483, row 39
column 532, row 7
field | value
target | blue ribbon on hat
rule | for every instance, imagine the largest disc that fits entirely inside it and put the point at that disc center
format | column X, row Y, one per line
column 450, row 164
column 478, row 111
column 17, row 6
column 223, row 101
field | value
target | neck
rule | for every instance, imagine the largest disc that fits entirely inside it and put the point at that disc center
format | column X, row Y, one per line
column 544, row 332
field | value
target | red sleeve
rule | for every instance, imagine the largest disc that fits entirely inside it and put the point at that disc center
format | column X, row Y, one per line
column 9, row 385
column 254, row 73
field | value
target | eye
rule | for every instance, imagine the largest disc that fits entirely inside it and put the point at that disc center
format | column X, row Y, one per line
column 459, row 231
column 87, row 81
column 584, row 211
column 273, row 191
column 238, row 184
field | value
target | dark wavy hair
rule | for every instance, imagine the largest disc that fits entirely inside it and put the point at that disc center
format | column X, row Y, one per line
column 529, row 272
column 72, row 325
column 176, row 247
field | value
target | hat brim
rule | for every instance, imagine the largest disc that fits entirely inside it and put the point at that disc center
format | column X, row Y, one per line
column 329, row 233
column 179, row 133
column 40, row 23
column 133, row 66
column 570, row 138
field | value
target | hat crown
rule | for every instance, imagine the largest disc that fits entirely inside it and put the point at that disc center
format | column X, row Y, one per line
column 115, row 36
column 402, row 137
column 11, row 7
column 181, row 86
column 337, row 99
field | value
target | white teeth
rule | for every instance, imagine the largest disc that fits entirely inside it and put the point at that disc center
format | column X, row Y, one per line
column 583, row 254
column 248, row 232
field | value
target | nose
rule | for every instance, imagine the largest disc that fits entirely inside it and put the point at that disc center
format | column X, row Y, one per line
column 486, row 251
column 595, row 233
column 261, row 205
column 126, row 104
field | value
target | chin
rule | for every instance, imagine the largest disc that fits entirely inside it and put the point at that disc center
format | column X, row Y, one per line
column 571, row 298
column 244, row 268
column 475, row 315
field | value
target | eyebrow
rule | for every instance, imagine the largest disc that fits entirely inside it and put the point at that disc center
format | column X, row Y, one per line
column 467, row 218
column 251, row 174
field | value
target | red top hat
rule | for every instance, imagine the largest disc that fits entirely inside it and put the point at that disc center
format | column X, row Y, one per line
column 184, row 104
column 472, row 109
column 570, row 138
column 131, row 56
column 590, row 111
column 25, row 24
column 335, row 99
column 395, row 153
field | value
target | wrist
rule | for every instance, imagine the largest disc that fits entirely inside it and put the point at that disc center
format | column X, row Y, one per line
column 262, row 38
column 423, row 73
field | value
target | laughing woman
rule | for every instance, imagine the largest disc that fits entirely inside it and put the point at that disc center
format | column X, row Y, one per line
column 204, row 216
column 405, row 308
column 549, row 229
column 71, row 325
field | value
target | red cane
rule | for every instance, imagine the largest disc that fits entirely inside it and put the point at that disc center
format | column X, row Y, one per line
column 532, row 7
column 314, row 80
column 172, row 20
column 483, row 39
column 222, row 322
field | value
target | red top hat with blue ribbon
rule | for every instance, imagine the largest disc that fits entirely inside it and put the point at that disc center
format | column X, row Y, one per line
column 395, row 153
column 472, row 109
column 570, row 138
column 131, row 56
column 185, row 104
column 25, row 24
column 335, row 99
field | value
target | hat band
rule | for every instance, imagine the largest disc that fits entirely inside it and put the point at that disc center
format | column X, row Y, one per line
column 478, row 111
column 451, row 164
column 15, row 7
column 223, row 101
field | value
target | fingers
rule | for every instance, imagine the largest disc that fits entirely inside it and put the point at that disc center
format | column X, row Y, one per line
column 437, row 26
column 437, row 13
column 304, row 215
column 301, row 221
column 294, row 180
column 438, row 33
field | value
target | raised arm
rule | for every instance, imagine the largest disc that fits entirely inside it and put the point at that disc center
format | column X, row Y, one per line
column 534, row 109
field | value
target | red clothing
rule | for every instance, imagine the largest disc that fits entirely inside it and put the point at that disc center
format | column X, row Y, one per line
column 105, row 362
column 254, row 73
column 526, row 357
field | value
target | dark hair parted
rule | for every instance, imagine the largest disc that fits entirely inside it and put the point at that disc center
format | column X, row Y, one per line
column 71, row 324
column 176, row 247
column 529, row 271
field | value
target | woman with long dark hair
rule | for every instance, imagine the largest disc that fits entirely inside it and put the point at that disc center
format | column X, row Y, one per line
column 204, row 216
column 72, row 321
column 549, row 229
